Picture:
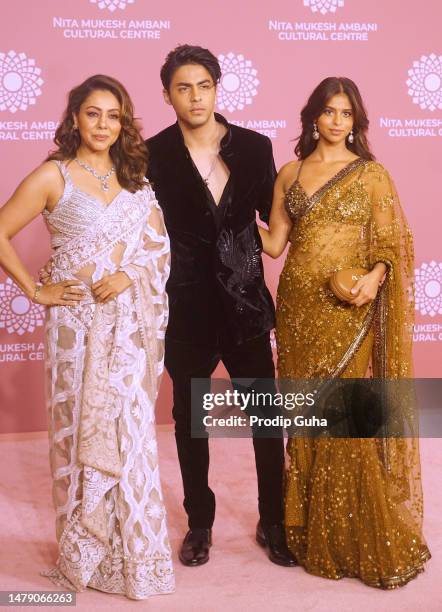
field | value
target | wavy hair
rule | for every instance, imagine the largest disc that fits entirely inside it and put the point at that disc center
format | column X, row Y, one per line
column 189, row 54
column 129, row 153
column 316, row 104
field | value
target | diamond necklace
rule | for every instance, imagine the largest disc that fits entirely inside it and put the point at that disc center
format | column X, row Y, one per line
column 103, row 179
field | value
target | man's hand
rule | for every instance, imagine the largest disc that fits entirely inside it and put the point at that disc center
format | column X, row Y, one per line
column 110, row 286
column 44, row 274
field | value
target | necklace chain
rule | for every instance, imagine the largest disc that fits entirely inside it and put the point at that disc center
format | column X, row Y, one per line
column 214, row 161
column 212, row 168
column 102, row 178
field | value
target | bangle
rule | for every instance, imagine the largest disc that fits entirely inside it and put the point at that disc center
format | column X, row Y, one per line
column 38, row 286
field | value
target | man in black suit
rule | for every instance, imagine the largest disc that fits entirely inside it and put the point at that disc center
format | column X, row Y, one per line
column 210, row 177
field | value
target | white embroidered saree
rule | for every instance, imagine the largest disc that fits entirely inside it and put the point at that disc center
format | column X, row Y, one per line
column 104, row 363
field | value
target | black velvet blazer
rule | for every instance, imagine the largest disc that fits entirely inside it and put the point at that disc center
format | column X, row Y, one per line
column 216, row 287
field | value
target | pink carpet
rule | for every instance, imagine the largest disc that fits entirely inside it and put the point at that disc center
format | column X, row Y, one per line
column 238, row 575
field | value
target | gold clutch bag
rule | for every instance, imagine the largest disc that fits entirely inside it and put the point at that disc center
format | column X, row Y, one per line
column 342, row 282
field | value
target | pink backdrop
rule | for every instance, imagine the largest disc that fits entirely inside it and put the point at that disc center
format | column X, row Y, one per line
column 272, row 55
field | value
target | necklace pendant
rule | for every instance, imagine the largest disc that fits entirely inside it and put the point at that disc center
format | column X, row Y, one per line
column 103, row 179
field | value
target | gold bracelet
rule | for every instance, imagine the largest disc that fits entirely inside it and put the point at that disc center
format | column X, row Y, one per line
column 38, row 286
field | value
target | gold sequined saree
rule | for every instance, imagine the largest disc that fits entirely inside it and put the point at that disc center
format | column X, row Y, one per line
column 353, row 506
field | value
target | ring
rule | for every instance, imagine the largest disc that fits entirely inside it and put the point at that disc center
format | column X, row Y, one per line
column 64, row 296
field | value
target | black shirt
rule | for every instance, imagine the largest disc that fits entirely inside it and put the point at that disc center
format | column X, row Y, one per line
column 215, row 250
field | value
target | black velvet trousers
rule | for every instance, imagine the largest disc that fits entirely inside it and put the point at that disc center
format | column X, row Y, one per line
column 252, row 359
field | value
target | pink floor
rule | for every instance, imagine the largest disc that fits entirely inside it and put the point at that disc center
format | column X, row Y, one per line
column 238, row 576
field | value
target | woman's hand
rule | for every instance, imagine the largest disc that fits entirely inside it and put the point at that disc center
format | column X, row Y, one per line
column 64, row 293
column 366, row 288
column 110, row 286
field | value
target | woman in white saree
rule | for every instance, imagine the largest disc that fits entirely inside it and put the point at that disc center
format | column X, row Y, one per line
column 106, row 318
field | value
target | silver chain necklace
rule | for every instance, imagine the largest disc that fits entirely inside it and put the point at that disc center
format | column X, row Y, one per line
column 103, row 179
column 212, row 165
column 212, row 168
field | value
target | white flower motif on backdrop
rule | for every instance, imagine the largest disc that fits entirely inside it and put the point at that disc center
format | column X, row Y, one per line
column 425, row 82
column 112, row 5
column 428, row 288
column 17, row 313
column 20, row 81
column 324, row 6
column 238, row 82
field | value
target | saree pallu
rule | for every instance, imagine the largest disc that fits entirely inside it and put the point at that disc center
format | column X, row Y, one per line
column 353, row 507
column 104, row 363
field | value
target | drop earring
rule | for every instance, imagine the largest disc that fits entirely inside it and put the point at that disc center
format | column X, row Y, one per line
column 315, row 132
column 351, row 137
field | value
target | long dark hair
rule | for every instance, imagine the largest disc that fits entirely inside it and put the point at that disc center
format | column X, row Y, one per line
column 128, row 153
column 316, row 103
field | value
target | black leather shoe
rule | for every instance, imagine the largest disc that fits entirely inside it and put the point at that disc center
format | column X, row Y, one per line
column 195, row 547
column 273, row 539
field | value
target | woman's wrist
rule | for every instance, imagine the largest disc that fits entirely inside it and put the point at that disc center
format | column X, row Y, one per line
column 128, row 276
column 380, row 265
column 379, row 269
column 37, row 290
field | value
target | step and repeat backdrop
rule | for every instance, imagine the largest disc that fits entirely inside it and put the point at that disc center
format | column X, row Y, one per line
column 272, row 55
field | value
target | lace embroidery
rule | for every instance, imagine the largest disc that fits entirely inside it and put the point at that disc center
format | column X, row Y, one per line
column 104, row 363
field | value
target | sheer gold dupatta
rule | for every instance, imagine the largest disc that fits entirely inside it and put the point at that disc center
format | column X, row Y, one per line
column 391, row 241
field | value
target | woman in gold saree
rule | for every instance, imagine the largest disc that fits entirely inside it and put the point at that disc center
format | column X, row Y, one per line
column 106, row 318
column 353, row 507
